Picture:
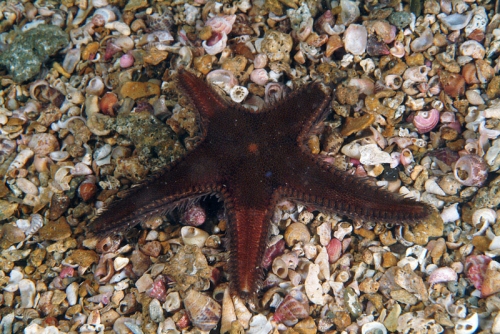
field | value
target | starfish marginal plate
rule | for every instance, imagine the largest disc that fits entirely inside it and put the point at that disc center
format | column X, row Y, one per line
column 253, row 160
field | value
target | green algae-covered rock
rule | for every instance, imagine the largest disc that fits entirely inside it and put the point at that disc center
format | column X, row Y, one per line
column 155, row 142
column 30, row 49
column 400, row 19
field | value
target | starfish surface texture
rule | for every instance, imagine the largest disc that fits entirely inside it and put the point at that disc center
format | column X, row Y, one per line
column 253, row 160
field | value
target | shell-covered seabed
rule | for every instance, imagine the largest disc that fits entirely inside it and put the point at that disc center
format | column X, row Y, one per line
column 89, row 107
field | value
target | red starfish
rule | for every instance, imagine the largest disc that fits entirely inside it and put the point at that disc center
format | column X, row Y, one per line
column 253, row 160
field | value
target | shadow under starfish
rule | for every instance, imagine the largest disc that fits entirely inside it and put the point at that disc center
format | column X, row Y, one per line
column 253, row 160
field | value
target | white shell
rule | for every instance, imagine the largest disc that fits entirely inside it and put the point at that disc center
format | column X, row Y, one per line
column 121, row 27
column 35, row 224
column 242, row 312
column 59, row 155
column 280, row 268
column 81, row 169
column 72, row 293
column 312, row 285
column 368, row 65
column 474, row 97
column 260, row 325
column 342, row 231
column 99, row 3
column 484, row 215
column 193, row 236
column 371, row 154
column 120, row 262
column 217, row 47
column 450, row 213
column 106, row 13
column 26, row 186
column 479, row 21
column 228, row 312
column 62, row 178
column 455, row 21
column 373, row 327
column 355, row 39
column 21, row 159
column 155, row 311
column 432, row 187
column 28, row 293
column 238, row 93
column 468, row 325
column 473, row 49
column 172, row 302
column 324, row 232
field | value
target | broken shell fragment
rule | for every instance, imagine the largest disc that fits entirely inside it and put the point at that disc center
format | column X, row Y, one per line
column 193, row 236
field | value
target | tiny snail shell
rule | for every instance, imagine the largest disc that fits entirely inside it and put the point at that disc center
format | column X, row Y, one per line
column 471, row 170
column 259, row 76
column 406, row 157
column 280, row 268
column 425, row 121
column 95, row 86
column 291, row 310
column 393, row 81
column 203, row 311
column 127, row 60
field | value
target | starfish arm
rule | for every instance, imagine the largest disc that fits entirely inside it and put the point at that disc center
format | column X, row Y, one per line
column 300, row 111
column 248, row 237
column 249, row 219
column 203, row 97
column 173, row 188
column 331, row 190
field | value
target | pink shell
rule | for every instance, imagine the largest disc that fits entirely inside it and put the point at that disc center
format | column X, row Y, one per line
column 272, row 252
column 103, row 298
column 447, row 117
column 111, row 50
column 221, row 24
column 398, row 50
column 126, row 61
column 158, row 290
column 443, row 274
column 325, row 22
column 475, row 269
column 406, row 157
column 259, row 76
column 475, row 168
column 290, row 311
column 215, row 44
column 425, row 121
column 334, row 250
column 274, row 92
column 195, row 215
column 67, row 272
column 260, row 61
